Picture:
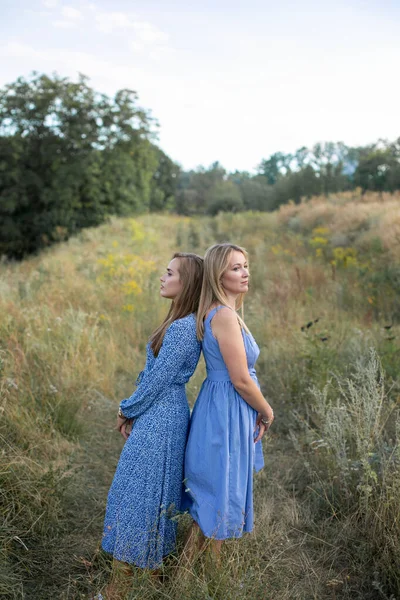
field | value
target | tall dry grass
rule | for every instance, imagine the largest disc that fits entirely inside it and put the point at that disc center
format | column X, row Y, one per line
column 351, row 217
column 73, row 328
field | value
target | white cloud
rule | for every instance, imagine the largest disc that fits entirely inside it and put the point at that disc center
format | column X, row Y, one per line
column 149, row 33
column 112, row 21
column 154, row 52
column 70, row 62
column 160, row 53
column 145, row 38
column 37, row 13
column 64, row 24
column 70, row 17
column 16, row 50
column 145, row 32
column 69, row 12
column 50, row 3
column 137, row 46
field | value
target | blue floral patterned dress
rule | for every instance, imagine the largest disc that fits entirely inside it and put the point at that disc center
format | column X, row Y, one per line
column 147, row 485
column 220, row 453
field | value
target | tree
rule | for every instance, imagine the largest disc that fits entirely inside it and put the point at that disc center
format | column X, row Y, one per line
column 194, row 188
column 224, row 196
column 256, row 193
column 275, row 167
column 164, row 183
column 68, row 157
column 379, row 171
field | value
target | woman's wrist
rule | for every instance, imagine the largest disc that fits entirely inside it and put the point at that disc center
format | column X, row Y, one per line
column 267, row 417
column 121, row 414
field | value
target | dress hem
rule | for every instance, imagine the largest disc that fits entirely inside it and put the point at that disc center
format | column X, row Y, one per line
column 221, row 539
column 139, row 564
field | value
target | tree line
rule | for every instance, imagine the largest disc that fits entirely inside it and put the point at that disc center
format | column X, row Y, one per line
column 70, row 157
column 324, row 169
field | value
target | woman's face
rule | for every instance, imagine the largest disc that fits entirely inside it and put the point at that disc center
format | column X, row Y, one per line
column 235, row 280
column 171, row 285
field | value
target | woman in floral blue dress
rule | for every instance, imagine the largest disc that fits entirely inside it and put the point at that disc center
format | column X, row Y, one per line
column 147, row 484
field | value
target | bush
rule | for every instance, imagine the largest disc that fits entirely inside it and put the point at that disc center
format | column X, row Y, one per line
column 353, row 464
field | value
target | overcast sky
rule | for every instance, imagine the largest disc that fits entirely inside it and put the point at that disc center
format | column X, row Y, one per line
column 227, row 80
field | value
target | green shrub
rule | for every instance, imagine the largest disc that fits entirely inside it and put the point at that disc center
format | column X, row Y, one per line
column 353, row 463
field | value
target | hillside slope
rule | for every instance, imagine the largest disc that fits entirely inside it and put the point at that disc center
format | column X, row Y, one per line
column 324, row 300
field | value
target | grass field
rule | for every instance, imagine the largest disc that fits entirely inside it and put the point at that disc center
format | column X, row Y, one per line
column 324, row 306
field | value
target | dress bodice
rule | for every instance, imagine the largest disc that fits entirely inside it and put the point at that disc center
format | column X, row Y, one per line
column 212, row 353
column 173, row 366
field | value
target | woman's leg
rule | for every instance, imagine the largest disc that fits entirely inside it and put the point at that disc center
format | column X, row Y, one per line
column 215, row 547
column 121, row 580
column 194, row 544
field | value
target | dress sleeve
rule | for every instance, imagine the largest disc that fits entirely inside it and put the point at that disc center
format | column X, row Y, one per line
column 180, row 346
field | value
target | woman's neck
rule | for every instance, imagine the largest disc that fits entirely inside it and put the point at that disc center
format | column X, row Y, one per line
column 232, row 301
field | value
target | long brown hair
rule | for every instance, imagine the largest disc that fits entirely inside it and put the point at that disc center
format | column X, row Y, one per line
column 216, row 263
column 187, row 302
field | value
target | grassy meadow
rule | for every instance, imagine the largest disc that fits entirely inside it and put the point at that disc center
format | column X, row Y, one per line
column 324, row 306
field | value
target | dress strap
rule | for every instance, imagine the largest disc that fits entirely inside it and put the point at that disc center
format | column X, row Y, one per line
column 214, row 311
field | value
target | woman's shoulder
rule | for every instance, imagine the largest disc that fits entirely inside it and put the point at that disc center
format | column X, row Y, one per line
column 222, row 313
column 223, row 319
column 191, row 318
column 217, row 308
column 186, row 323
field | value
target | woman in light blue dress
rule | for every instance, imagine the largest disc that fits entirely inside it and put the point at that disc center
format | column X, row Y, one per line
column 230, row 415
column 147, row 485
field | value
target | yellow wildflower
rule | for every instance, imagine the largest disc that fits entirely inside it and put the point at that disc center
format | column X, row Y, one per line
column 318, row 241
column 128, row 308
column 320, row 231
column 131, row 287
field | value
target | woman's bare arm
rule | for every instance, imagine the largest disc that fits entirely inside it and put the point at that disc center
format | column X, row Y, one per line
column 226, row 330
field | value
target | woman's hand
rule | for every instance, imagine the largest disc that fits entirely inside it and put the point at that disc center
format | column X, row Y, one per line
column 263, row 427
column 124, row 426
column 128, row 427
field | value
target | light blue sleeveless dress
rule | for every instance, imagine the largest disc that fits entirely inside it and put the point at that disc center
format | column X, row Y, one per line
column 220, row 453
column 147, row 486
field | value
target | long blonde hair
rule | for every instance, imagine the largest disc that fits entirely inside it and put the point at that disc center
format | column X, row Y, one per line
column 216, row 263
column 187, row 302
